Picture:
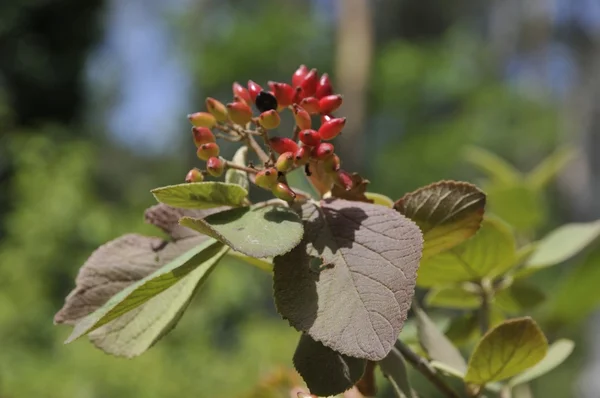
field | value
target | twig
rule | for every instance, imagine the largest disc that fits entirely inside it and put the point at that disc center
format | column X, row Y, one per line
column 262, row 155
column 232, row 165
column 421, row 364
column 265, row 135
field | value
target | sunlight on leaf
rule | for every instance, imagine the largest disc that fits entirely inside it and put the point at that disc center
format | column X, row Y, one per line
column 558, row 352
column 380, row 199
column 201, row 195
column 265, row 264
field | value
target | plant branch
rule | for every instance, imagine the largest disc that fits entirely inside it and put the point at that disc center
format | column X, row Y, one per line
column 232, row 165
column 484, row 309
column 422, row 365
column 265, row 135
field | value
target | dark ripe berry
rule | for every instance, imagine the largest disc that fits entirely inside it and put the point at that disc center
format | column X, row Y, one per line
column 283, row 92
column 309, row 84
column 302, row 155
column 283, row 145
column 311, row 105
column 266, row 178
column 265, row 101
column 283, row 191
column 269, row 119
column 322, row 151
column 330, row 103
column 285, row 162
column 253, row 89
column 215, row 166
column 324, row 87
column 309, row 137
column 207, row 151
column 332, row 128
column 299, row 75
column 202, row 135
column 194, row 175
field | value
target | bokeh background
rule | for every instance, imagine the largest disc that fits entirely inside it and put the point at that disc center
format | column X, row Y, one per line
column 93, row 102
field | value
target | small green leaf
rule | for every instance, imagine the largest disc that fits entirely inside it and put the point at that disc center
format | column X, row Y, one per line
column 380, row 199
column 557, row 353
column 563, row 243
column 436, row 344
column 489, row 253
column 448, row 213
column 140, row 292
column 506, row 350
column 518, row 297
column 326, row 372
column 239, row 177
column 262, row 264
column 350, row 282
column 452, row 297
column 394, row 368
column 201, row 195
column 258, row 231
column 447, row 369
column 497, row 169
column 518, row 205
column 539, row 177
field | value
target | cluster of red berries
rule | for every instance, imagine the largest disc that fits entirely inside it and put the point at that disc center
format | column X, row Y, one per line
column 307, row 95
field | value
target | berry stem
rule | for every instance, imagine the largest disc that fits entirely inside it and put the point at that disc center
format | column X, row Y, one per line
column 265, row 136
column 232, row 165
column 252, row 144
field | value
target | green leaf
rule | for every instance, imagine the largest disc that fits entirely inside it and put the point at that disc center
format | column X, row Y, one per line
column 201, row 195
column 326, row 372
column 239, row 177
column 518, row 205
column 262, row 264
column 497, row 169
column 257, row 231
column 564, row 243
column 380, row 199
column 518, row 297
column 539, row 177
column 394, row 368
column 350, row 282
column 489, row 253
column 463, row 328
column 448, row 213
column 143, row 290
column 436, row 344
column 452, row 297
column 558, row 352
column 447, row 369
column 506, row 350
column 134, row 332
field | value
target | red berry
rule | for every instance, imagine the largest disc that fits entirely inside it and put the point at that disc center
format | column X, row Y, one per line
column 309, row 137
column 202, row 119
column 283, row 191
column 331, row 164
column 215, row 166
column 208, row 150
column 329, row 130
column 266, row 178
column 299, row 75
column 194, row 175
column 239, row 113
column 241, row 92
column 283, row 92
column 322, row 151
column 302, row 117
column 330, row 103
column 253, row 89
column 302, row 155
column 217, row 109
column 202, row 135
column 269, row 119
column 285, row 162
column 326, row 118
column 311, row 105
column 283, row 145
column 309, row 84
column 343, row 179
column 324, row 88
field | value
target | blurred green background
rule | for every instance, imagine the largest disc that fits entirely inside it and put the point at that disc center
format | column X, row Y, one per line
column 93, row 99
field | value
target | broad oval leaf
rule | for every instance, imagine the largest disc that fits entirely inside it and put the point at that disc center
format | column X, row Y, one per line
column 394, row 368
column 325, row 371
column 508, row 349
column 518, row 204
column 140, row 292
column 201, row 195
column 350, row 282
column 448, row 213
column 563, row 243
column 489, row 253
column 557, row 353
column 518, row 297
column 263, row 264
column 258, row 231
column 436, row 344
column 235, row 176
column 452, row 297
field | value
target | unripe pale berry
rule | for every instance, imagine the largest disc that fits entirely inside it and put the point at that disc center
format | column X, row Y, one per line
column 309, row 84
column 217, row 109
column 322, row 151
column 283, row 92
column 266, row 178
column 285, row 162
column 202, row 135
column 324, row 88
column 343, row 179
column 301, row 117
column 202, row 119
column 302, row 155
column 283, row 145
column 330, row 103
column 269, row 119
column 311, row 105
column 265, row 101
column 194, row 175
column 241, row 92
column 253, row 89
column 331, row 164
column 332, row 128
column 207, row 151
column 215, row 166
column 239, row 113
column 299, row 75
column 283, row 192
column 309, row 137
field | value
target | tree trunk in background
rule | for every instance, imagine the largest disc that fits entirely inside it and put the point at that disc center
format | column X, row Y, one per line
column 353, row 58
